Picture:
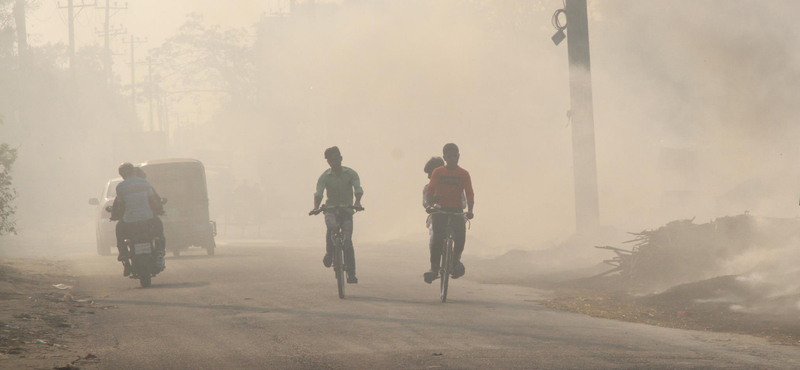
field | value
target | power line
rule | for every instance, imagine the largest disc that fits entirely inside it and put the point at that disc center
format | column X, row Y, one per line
column 71, row 18
column 109, row 34
column 55, row 9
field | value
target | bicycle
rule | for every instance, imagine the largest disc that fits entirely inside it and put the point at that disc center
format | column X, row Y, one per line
column 446, row 266
column 338, row 244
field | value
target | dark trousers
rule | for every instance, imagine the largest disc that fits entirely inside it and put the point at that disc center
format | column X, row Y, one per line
column 125, row 230
column 440, row 233
column 345, row 222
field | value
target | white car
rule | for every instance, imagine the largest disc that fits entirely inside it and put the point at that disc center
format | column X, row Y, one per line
column 105, row 230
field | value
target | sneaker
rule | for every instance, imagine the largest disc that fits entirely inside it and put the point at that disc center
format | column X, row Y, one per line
column 458, row 270
column 351, row 278
column 127, row 270
column 430, row 276
column 327, row 260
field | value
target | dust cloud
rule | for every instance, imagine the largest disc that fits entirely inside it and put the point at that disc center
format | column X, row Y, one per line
column 693, row 106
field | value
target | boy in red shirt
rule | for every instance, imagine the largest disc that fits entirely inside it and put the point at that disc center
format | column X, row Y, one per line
column 447, row 185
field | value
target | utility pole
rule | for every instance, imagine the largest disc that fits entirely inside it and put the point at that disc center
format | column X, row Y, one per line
column 150, row 89
column 22, row 34
column 587, row 208
column 108, row 34
column 160, row 113
column 71, row 19
column 107, row 43
column 133, row 43
column 133, row 74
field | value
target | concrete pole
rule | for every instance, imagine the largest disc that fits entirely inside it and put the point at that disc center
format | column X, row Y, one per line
column 133, row 74
column 107, row 44
column 71, row 19
column 150, row 89
column 587, row 208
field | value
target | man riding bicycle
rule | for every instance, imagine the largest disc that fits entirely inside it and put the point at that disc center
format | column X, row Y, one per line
column 340, row 184
column 445, row 189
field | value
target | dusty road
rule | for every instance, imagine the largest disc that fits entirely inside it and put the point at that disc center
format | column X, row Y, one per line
column 276, row 307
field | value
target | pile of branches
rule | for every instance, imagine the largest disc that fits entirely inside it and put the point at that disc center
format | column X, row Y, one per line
column 682, row 251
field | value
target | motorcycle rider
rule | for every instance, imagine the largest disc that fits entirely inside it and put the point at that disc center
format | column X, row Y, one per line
column 136, row 203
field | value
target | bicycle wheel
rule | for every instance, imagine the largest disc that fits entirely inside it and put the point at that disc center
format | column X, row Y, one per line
column 338, row 266
column 447, row 255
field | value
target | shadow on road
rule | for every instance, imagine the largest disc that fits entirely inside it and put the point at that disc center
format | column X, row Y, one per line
column 451, row 301
column 198, row 284
column 190, row 257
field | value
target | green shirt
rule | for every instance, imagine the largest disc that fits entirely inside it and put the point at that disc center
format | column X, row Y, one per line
column 340, row 188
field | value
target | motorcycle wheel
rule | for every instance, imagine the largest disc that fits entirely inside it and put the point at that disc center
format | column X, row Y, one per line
column 145, row 281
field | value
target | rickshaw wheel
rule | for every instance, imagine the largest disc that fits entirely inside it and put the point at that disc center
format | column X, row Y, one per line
column 210, row 246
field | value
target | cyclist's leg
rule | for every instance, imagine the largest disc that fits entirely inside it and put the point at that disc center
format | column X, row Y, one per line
column 439, row 226
column 349, row 252
column 331, row 225
column 459, row 236
column 459, row 239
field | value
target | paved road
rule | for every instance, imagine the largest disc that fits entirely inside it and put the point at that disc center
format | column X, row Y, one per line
column 276, row 307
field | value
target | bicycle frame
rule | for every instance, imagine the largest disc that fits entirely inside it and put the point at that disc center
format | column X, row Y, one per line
column 446, row 265
column 337, row 238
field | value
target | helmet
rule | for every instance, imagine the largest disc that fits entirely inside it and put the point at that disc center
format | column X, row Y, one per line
column 126, row 170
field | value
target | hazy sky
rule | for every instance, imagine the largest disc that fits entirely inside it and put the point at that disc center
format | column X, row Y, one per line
column 154, row 19
column 692, row 118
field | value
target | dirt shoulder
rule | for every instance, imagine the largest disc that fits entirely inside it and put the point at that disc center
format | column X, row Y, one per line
column 684, row 307
column 40, row 319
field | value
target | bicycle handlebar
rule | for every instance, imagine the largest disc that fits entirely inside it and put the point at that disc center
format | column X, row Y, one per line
column 329, row 208
column 438, row 210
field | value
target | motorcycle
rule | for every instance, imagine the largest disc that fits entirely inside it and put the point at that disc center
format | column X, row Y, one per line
column 146, row 260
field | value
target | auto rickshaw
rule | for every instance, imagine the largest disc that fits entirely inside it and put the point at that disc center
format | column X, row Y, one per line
column 186, row 219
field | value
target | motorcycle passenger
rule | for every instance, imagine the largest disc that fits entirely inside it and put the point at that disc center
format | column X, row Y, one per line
column 446, row 187
column 158, row 210
column 340, row 184
column 134, row 206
